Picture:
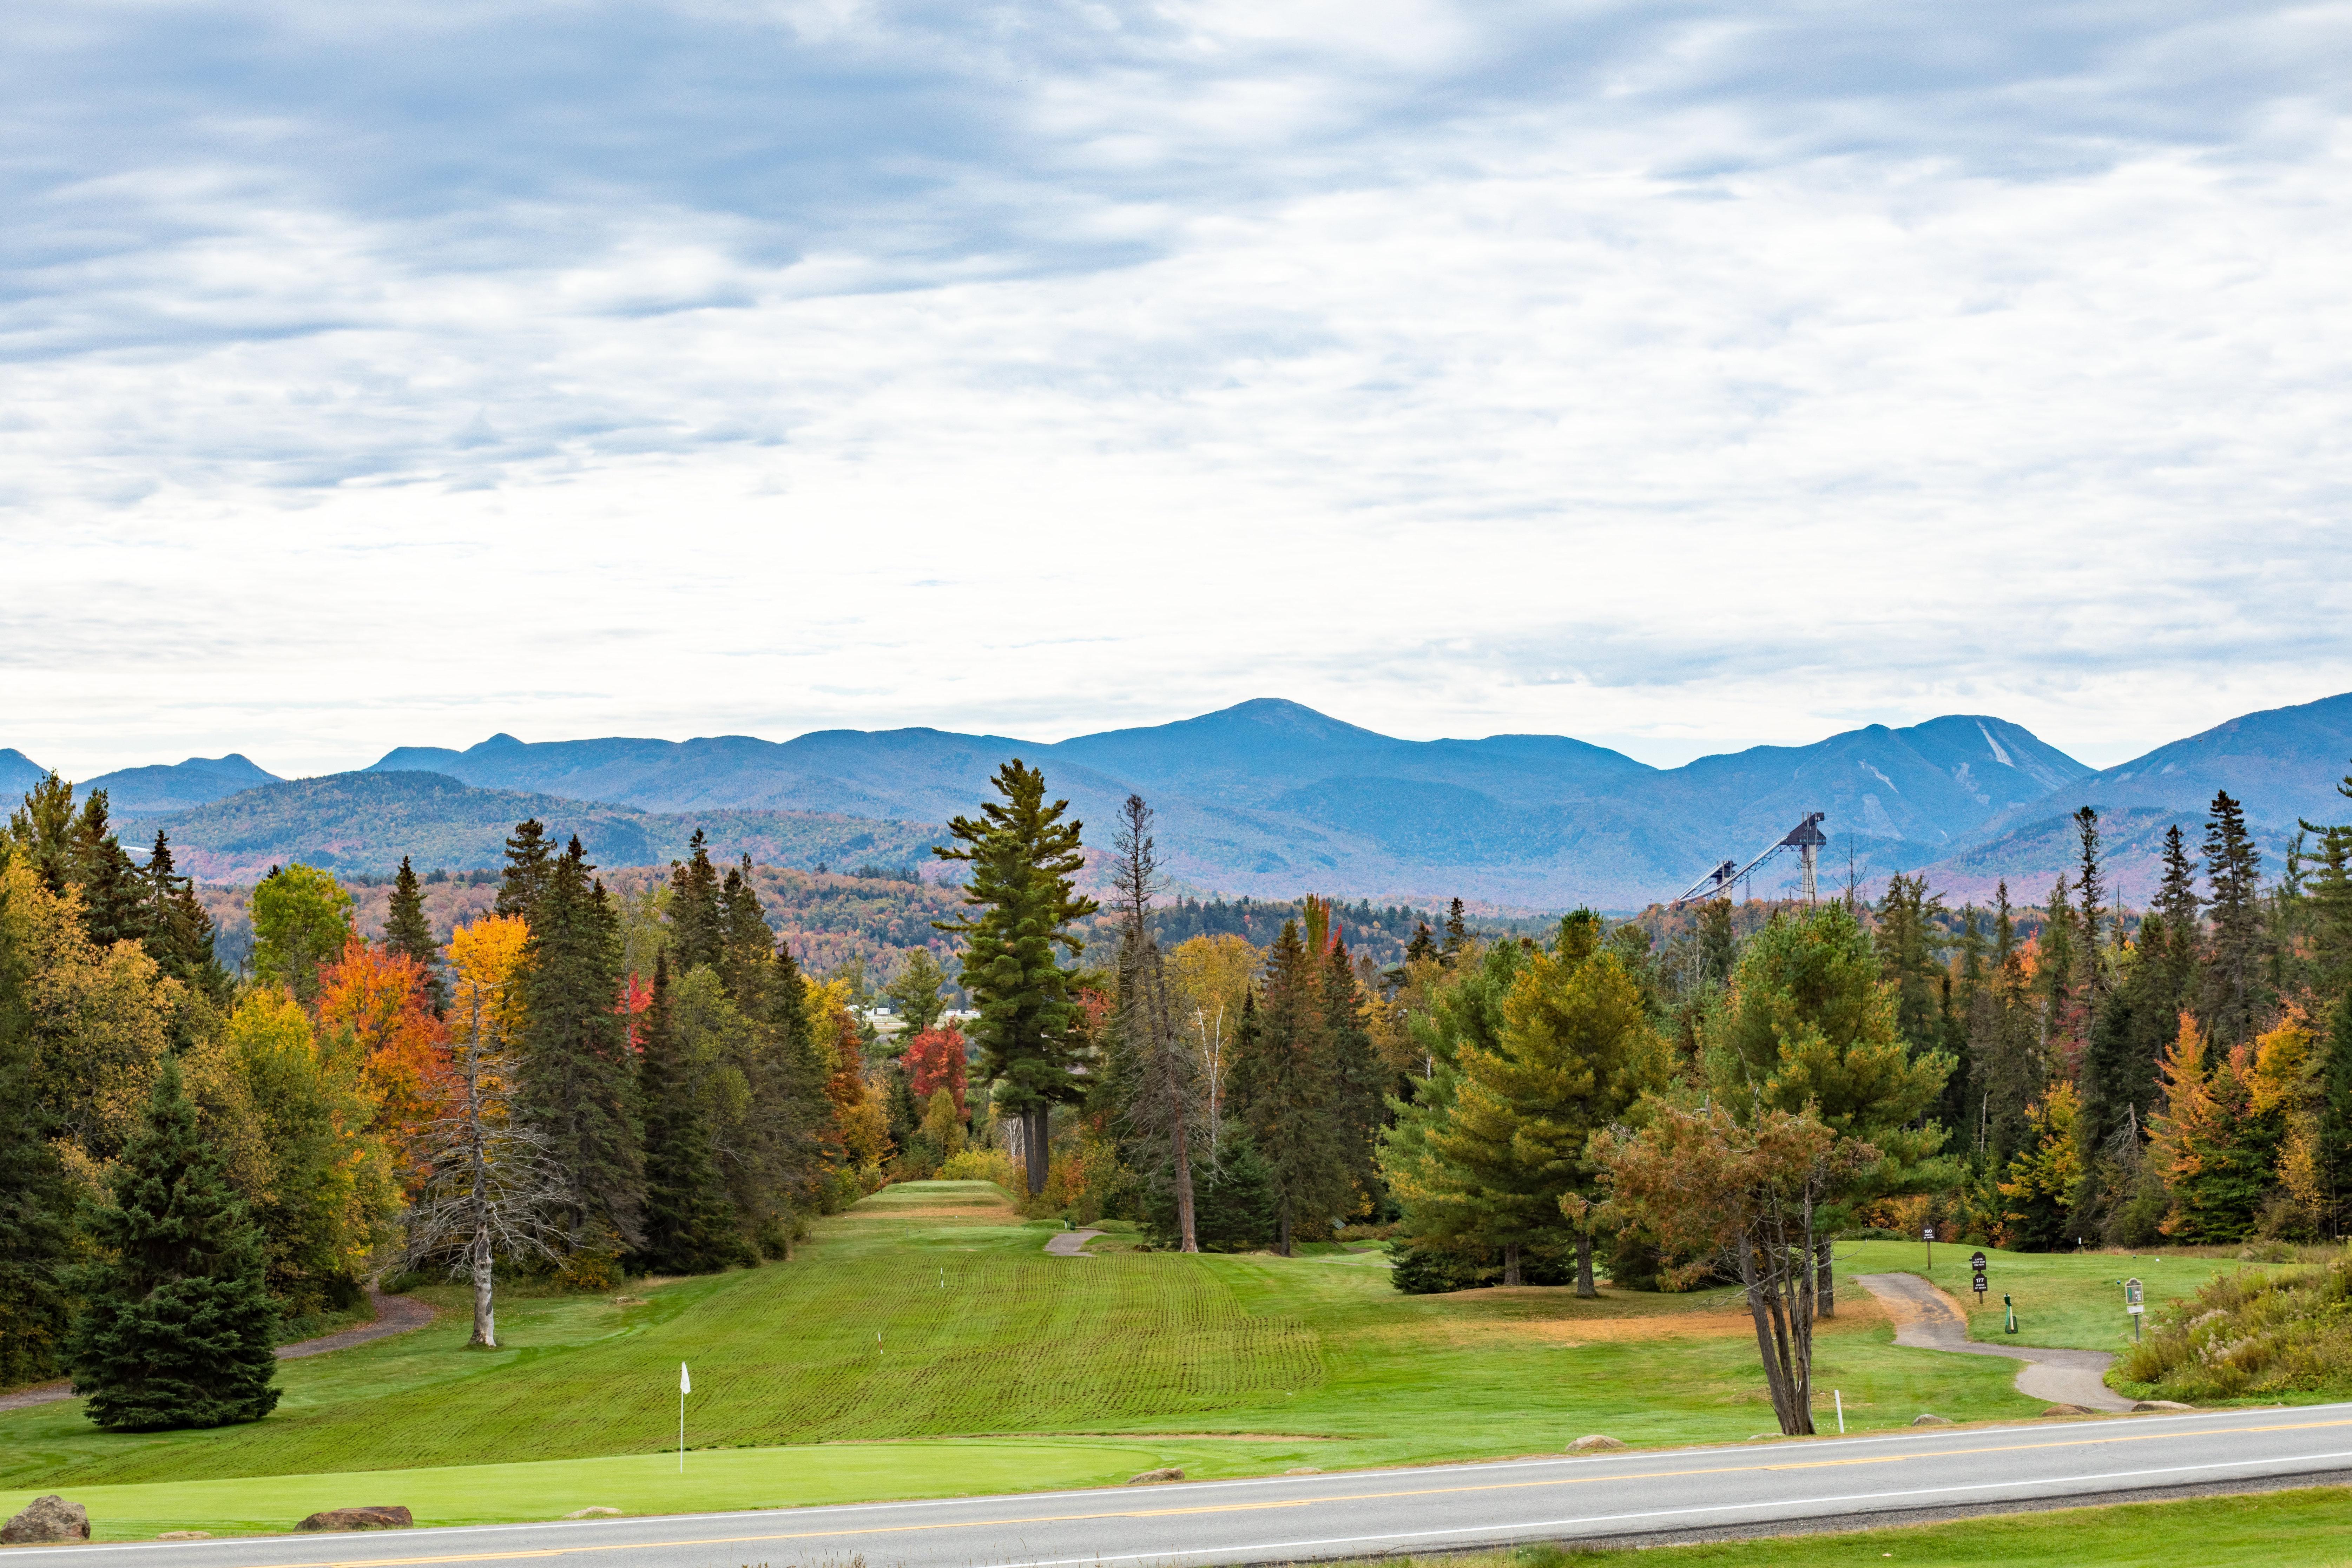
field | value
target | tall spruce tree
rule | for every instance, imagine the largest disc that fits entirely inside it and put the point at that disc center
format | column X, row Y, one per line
column 690, row 1227
column 695, row 920
column 176, row 1324
column 1905, row 942
column 2231, row 983
column 112, row 891
column 747, row 946
column 579, row 1083
column 407, row 932
column 2008, row 1061
column 530, row 863
column 1023, row 858
column 1163, row 1087
column 179, row 931
column 1286, row 1090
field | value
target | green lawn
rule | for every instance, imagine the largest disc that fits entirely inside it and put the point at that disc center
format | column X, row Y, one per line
column 1226, row 1366
column 2310, row 1528
column 2070, row 1298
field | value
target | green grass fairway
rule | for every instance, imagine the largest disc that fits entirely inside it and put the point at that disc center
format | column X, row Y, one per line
column 2065, row 1299
column 2309, row 1528
column 1226, row 1365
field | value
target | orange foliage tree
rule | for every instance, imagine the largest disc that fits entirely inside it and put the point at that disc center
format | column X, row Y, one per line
column 374, row 1004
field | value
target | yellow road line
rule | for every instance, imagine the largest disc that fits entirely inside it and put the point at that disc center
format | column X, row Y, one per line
column 1274, row 1503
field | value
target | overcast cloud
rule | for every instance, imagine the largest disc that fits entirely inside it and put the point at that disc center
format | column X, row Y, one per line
column 1673, row 375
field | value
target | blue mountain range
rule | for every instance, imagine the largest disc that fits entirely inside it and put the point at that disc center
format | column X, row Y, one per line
column 1270, row 797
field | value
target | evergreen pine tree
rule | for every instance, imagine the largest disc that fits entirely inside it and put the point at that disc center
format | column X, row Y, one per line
column 2008, row 1066
column 1286, row 1090
column 1358, row 1082
column 2230, row 985
column 578, row 1080
column 2091, row 890
column 1457, row 928
column 407, row 932
column 113, row 893
column 179, row 931
column 2335, row 1130
column 1422, row 947
column 175, row 1330
column 689, row 1224
column 41, row 833
column 530, row 863
column 1905, row 942
column 747, row 947
column 35, row 1235
column 696, row 923
column 1023, row 858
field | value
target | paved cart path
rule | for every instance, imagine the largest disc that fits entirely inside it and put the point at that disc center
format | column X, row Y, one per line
column 393, row 1315
column 1927, row 1318
column 1071, row 1243
column 1637, row 1496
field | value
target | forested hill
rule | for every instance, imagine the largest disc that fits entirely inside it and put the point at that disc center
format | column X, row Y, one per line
column 364, row 823
column 1268, row 799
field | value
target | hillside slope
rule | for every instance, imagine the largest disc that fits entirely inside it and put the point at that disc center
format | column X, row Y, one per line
column 1267, row 797
column 364, row 823
column 2282, row 764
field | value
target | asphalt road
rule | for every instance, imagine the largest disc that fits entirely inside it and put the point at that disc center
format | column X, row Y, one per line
column 1370, row 1511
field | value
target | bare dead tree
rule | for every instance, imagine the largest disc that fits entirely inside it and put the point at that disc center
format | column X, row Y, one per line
column 1167, row 1072
column 492, row 1185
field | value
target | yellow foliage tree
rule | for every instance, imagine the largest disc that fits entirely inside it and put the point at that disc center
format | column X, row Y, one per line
column 101, row 1021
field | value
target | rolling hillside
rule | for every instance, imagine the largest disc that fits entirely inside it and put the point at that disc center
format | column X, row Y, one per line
column 364, row 823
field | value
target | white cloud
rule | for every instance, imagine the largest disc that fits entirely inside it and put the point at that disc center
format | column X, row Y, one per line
column 1669, row 377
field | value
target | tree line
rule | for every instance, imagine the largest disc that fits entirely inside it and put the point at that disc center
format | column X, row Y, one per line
column 196, row 1160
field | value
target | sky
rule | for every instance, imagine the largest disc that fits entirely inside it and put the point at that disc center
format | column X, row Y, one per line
column 1676, row 376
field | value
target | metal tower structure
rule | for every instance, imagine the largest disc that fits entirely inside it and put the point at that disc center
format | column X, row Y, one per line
column 1806, row 839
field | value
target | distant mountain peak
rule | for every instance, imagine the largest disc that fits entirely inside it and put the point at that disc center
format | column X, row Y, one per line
column 493, row 744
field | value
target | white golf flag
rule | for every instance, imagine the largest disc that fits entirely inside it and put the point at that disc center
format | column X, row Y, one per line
column 684, row 1384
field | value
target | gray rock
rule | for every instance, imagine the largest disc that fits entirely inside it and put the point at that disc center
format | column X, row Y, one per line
column 46, row 1519
column 2067, row 1410
column 1169, row 1473
column 388, row 1516
column 2161, row 1404
column 1595, row 1444
column 1931, row 1420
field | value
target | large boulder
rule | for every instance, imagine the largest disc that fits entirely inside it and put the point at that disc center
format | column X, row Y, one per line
column 390, row 1516
column 1931, row 1419
column 46, row 1520
column 2068, row 1410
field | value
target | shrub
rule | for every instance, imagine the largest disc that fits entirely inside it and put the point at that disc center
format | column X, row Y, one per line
column 2288, row 1332
column 982, row 1165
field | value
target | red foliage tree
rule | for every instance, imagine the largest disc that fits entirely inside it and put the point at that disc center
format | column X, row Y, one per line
column 935, row 1060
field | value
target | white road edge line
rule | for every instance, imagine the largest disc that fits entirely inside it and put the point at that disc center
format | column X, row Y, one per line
column 1649, row 1513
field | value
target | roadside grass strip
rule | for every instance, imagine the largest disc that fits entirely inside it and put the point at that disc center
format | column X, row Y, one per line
column 2309, row 1527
